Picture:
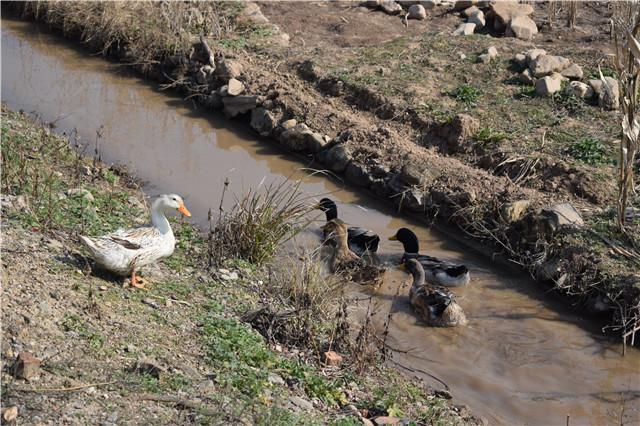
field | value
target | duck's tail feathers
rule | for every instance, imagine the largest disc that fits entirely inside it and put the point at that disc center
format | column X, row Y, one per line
column 458, row 271
column 88, row 243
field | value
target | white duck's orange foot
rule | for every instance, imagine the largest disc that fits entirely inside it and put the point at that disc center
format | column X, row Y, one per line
column 137, row 282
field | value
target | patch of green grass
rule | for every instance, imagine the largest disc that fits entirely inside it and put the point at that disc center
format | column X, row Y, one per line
column 466, row 94
column 177, row 382
column 590, row 151
column 237, row 43
column 489, row 135
column 188, row 243
column 72, row 322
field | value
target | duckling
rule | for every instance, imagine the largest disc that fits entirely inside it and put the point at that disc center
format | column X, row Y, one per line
column 360, row 240
column 436, row 270
column 436, row 306
column 344, row 260
column 123, row 252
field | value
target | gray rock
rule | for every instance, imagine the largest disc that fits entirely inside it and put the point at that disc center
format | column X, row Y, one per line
column 275, row 379
column 564, row 216
column 27, row 366
column 338, row 158
column 429, row 4
column 478, row 19
column 547, row 64
column 532, row 54
column 413, row 200
column 465, row 29
column 223, row 90
column 390, row 7
column 294, row 139
column 235, row 105
column 289, row 124
column 573, row 71
column 470, row 11
column 487, row 57
column 262, row 121
column 417, row 11
column 214, row 101
column 201, row 77
column 463, row 4
column 547, row 86
column 228, row 69
column 315, row 142
column 521, row 60
column 412, row 174
column 253, row 13
column 15, row 203
column 358, row 174
column 523, row 28
column 373, row 4
column 505, row 11
column 581, row 90
column 235, row 87
column 609, row 96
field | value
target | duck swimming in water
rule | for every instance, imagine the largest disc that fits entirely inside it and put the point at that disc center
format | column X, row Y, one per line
column 360, row 240
column 344, row 260
column 436, row 306
column 124, row 252
column 436, row 270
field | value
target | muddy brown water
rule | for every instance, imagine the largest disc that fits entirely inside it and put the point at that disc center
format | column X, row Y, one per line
column 525, row 358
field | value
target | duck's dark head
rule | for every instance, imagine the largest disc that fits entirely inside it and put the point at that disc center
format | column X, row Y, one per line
column 415, row 269
column 408, row 239
column 329, row 208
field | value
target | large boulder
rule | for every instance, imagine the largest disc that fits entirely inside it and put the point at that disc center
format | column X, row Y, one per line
column 253, row 13
column 301, row 138
column 390, row 7
column 337, row 158
column 503, row 12
column 477, row 18
column 235, row 87
column 228, row 69
column 573, row 71
column 548, row 64
column 235, row 105
column 609, row 96
column 262, row 121
column 523, row 28
column 563, row 216
column 548, row 85
column 581, row 90
column 417, row 11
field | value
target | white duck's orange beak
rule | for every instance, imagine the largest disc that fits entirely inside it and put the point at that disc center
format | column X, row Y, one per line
column 182, row 209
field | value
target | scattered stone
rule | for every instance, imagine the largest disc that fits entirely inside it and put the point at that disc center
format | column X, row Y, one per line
column 465, row 29
column 9, row 414
column 386, row 420
column 262, row 121
column 373, row 4
column 228, row 69
column 429, row 4
column 294, row 139
column 315, row 142
column 463, row 56
column 390, row 7
column 512, row 212
column 331, row 358
column 412, row 174
column 366, row 422
column 526, row 77
column 289, row 124
column 609, row 96
column 443, row 393
column 27, row 366
column 338, row 158
column 86, row 170
column 487, row 57
column 520, row 59
column 235, row 105
column 81, row 192
column 112, row 420
column 505, row 11
column 235, row 87
column 573, row 71
column 151, row 303
column 230, row 276
column 464, row 4
column 148, row 366
column 300, row 404
column 564, row 216
column 558, row 76
column 532, row 54
column 417, row 11
column 547, row 86
column 470, row 11
column 275, row 379
column 478, row 19
column 253, row 13
column 358, row 174
column 523, row 28
column 15, row 203
column 53, row 244
column 547, row 64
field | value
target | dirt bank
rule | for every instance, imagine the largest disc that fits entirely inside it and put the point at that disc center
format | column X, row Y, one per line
column 179, row 352
column 405, row 115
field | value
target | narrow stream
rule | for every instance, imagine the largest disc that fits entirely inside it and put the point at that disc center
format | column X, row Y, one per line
column 525, row 358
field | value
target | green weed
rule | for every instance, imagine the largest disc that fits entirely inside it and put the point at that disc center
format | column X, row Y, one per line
column 466, row 94
column 590, row 151
column 489, row 135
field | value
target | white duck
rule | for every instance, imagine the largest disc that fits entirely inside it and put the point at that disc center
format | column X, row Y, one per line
column 123, row 252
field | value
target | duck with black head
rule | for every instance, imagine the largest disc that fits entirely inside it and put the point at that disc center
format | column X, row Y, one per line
column 360, row 240
column 436, row 270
